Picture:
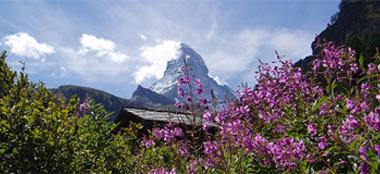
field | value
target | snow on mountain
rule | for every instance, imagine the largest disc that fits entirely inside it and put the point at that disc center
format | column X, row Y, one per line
column 167, row 85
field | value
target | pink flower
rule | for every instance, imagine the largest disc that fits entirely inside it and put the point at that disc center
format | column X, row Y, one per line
column 163, row 171
column 377, row 149
column 354, row 67
column 183, row 150
column 84, row 107
column 207, row 119
column 372, row 68
column 210, row 147
column 157, row 133
column 189, row 99
column 364, row 169
column 373, row 121
column 312, row 129
column 350, row 104
column 181, row 91
column 177, row 132
column 280, row 128
column 363, row 153
column 347, row 129
column 199, row 86
column 322, row 143
column 287, row 152
column 147, row 143
column 184, row 80
column 193, row 167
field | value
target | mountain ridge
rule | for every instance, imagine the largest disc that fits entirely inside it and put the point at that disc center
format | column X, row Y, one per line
column 110, row 102
column 168, row 86
column 147, row 98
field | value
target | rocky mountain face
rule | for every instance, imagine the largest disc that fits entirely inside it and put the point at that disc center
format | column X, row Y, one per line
column 168, row 86
column 147, row 98
column 356, row 24
column 110, row 102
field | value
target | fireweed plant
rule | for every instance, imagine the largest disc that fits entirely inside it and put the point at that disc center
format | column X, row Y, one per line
column 322, row 121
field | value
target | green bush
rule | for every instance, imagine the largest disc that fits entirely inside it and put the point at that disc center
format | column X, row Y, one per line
column 42, row 133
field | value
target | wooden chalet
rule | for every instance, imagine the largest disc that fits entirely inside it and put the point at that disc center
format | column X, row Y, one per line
column 149, row 119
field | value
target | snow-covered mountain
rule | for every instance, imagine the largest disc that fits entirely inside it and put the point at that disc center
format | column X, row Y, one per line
column 167, row 85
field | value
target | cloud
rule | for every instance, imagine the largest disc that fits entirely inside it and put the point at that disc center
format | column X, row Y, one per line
column 97, row 60
column 59, row 73
column 92, row 69
column 155, row 59
column 295, row 44
column 62, row 68
column 213, row 30
column 143, row 37
column 218, row 80
column 100, row 47
column 22, row 44
column 92, row 43
column 242, row 50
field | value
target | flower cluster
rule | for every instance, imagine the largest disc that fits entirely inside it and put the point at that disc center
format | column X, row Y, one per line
column 168, row 134
column 373, row 121
column 279, row 90
column 190, row 90
column 290, row 121
column 147, row 143
column 162, row 171
column 312, row 129
column 287, row 152
column 84, row 107
column 336, row 61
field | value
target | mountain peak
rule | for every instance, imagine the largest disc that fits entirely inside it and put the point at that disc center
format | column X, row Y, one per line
column 167, row 85
column 184, row 45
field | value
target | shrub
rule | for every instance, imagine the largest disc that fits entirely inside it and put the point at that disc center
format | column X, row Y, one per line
column 42, row 133
column 323, row 121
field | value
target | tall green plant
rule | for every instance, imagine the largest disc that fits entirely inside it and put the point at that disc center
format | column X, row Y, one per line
column 42, row 133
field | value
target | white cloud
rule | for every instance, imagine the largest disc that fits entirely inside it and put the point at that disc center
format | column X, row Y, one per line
column 295, row 44
column 213, row 30
column 94, row 69
column 155, row 59
column 143, row 37
column 92, row 43
column 62, row 68
column 218, row 80
column 96, row 60
column 100, row 47
column 22, row 44
column 242, row 50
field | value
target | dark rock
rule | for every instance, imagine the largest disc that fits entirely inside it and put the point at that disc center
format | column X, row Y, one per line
column 147, row 98
column 356, row 24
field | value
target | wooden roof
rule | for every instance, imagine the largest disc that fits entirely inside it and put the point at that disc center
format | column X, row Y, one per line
column 163, row 116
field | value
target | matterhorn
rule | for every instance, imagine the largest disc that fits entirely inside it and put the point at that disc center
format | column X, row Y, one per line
column 168, row 85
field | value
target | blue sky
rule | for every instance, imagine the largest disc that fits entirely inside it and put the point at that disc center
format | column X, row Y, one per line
column 116, row 45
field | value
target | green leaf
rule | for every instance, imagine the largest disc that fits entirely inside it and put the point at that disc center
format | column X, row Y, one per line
column 368, row 77
column 333, row 86
column 361, row 60
column 373, row 160
column 319, row 102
